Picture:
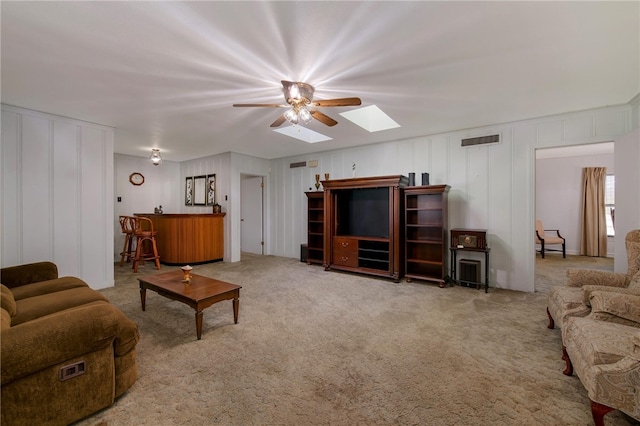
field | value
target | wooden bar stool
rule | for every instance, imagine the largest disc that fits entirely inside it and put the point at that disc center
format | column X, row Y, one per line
column 144, row 232
column 128, row 252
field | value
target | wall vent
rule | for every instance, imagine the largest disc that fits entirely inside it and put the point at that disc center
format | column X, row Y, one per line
column 298, row 164
column 481, row 140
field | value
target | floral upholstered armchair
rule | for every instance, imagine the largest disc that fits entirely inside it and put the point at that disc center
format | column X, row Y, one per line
column 573, row 299
column 603, row 350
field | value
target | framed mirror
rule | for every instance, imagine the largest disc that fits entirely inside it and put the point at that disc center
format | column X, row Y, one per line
column 200, row 190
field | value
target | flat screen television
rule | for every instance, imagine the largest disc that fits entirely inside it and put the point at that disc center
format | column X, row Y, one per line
column 363, row 212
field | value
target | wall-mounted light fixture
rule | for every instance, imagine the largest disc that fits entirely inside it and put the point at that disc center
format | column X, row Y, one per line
column 155, row 157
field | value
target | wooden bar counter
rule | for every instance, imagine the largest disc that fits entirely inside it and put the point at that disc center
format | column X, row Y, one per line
column 188, row 238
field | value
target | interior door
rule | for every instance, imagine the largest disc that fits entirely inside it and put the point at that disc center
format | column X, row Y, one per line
column 251, row 211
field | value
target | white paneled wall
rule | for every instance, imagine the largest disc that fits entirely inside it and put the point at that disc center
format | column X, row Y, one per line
column 58, row 182
column 57, row 194
column 492, row 186
column 627, row 161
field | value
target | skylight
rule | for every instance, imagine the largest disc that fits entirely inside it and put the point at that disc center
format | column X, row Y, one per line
column 370, row 118
column 303, row 134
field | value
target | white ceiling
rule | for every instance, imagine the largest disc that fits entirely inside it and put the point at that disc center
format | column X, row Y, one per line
column 165, row 74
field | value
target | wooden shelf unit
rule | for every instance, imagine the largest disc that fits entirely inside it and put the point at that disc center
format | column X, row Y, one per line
column 354, row 239
column 425, row 233
column 315, row 227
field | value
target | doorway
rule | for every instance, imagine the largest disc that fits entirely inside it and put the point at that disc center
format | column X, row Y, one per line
column 558, row 194
column 252, row 214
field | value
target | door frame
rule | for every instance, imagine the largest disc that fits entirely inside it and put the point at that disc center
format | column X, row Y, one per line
column 262, row 209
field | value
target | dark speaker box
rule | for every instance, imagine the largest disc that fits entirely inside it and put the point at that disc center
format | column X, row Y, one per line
column 304, row 252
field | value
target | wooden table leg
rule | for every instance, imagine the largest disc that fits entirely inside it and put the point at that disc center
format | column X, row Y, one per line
column 199, row 324
column 143, row 296
column 236, row 303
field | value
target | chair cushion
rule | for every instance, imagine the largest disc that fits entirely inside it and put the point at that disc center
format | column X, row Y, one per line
column 7, row 300
column 553, row 240
column 597, row 342
column 565, row 301
column 39, row 306
column 588, row 289
column 624, row 306
column 568, row 297
column 45, row 287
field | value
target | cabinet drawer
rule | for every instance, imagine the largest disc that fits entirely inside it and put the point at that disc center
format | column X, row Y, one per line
column 345, row 251
column 345, row 244
column 345, row 259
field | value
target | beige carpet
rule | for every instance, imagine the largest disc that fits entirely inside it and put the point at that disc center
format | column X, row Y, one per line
column 327, row 348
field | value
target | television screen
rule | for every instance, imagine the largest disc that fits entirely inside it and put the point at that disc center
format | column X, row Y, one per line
column 364, row 212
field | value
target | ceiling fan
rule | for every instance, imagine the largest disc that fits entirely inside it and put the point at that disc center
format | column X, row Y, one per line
column 299, row 97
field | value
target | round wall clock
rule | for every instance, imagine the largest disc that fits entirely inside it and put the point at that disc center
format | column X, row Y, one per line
column 136, row 178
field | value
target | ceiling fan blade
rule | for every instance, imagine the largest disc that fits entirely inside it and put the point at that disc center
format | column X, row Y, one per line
column 324, row 119
column 279, row 121
column 261, row 105
column 336, row 102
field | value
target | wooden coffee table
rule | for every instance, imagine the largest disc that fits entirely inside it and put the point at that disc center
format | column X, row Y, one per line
column 201, row 293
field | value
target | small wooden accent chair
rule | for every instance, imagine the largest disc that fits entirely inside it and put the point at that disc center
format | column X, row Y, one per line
column 544, row 240
column 144, row 232
column 128, row 252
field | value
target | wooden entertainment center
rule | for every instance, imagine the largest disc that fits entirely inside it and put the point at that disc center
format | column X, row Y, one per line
column 362, row 227
column 380, row 226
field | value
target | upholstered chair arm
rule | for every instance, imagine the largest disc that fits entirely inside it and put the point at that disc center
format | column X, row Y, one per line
column 14, row 276
column 53, row 339
column 581, row 277
column 616, row 307
column 615, row 385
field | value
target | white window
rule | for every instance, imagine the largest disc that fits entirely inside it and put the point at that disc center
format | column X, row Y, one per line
column 610, row 203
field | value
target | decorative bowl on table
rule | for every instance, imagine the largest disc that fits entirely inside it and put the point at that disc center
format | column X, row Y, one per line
column 186, row 274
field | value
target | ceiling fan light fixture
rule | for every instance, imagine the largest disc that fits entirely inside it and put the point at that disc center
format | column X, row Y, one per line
column 296, row 92
column 304, row 115
column 301, row 108
column 291, row 116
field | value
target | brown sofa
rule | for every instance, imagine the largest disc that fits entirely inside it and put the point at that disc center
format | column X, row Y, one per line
column 66, row 351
